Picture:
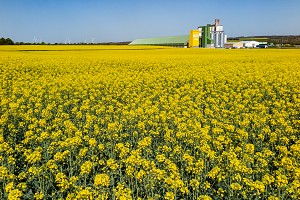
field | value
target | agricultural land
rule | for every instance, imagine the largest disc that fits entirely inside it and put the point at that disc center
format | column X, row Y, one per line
column 120, row 122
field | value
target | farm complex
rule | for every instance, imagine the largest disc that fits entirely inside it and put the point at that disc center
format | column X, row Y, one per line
column 211, row 35
column 149, row 122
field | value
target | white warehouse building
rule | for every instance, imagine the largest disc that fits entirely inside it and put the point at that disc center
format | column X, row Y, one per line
column 250, row 44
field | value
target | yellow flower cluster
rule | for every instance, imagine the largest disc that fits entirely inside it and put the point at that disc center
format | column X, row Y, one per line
column 102, row 180
column 120, row 122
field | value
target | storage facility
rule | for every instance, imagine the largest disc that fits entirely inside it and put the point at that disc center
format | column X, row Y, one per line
column 250, row 44
column 209, row 36
column 174, row 41
column 212, row 35
column 233, row 45
column 242, row 44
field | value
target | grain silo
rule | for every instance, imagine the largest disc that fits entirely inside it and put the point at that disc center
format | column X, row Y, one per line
column 212, row 35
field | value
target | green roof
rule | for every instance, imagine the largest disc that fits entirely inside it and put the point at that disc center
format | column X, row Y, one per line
column 164, row 41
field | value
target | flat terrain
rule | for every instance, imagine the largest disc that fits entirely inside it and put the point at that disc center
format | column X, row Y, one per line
column 122, row 122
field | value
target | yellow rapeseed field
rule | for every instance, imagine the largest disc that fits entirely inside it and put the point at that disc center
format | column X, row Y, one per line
column 111, row 122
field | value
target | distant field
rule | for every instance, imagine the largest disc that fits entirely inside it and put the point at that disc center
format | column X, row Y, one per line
column 256, row 39
column 134, row 122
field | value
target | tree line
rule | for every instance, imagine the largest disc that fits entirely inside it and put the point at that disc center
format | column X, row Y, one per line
column 9, row 41
column 6, row 41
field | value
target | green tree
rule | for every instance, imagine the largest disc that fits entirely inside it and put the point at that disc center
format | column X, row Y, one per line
column 6, row 41
column 2, row 41
column 9, row 41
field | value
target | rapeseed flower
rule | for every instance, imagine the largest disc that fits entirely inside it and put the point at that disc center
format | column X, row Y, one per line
column 149, row 124
column 102, row 180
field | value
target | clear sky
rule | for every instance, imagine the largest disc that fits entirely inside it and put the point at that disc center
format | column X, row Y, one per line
column 125, row 20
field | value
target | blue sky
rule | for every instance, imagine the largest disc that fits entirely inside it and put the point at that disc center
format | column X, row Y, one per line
column 125, row 20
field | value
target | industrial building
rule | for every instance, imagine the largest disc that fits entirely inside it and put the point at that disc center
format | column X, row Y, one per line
column 242, row 44
column 174, row 41
column 209, row 36
column 212, row 35
column 233, row 45
column 250, row 44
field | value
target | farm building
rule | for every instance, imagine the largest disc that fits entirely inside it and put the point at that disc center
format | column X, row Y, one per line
column 250, row 44
column 211, row 35
column 233, row 45
column 174, row 41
